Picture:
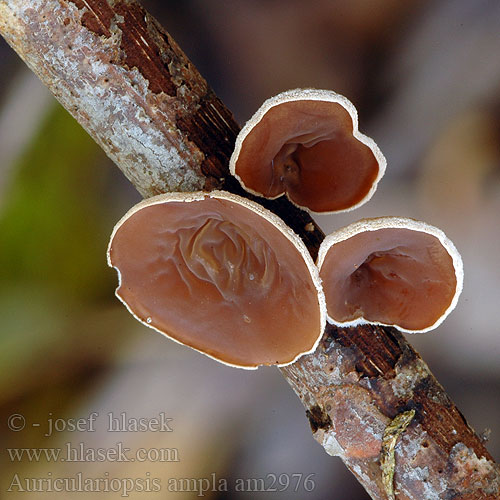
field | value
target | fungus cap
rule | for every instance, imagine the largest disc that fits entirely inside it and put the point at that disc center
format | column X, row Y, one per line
column 220, row 274
column 305, row 143
column 391, row 271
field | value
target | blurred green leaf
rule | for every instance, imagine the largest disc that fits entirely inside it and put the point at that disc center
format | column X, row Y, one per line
column 52, row 222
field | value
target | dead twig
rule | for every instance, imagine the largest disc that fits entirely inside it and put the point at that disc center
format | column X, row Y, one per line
column 128, row 83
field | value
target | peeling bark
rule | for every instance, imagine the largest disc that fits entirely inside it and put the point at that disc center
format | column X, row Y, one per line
column 128, row 83
column 360, row 379
column 119, row 75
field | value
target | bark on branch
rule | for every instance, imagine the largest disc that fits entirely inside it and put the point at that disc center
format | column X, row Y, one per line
column 128, row 83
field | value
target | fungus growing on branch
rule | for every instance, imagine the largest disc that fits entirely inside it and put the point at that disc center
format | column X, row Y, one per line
column 390, row 271
column 305, row 143
column 220, row 274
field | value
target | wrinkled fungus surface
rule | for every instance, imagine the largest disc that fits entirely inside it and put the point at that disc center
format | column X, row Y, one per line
column 218, row 277
column 393, row 276
column 306, row 148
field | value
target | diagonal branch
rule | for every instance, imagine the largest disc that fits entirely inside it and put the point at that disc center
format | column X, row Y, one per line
column 132, row 88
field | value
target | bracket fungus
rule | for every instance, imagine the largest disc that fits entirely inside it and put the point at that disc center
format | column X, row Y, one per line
column 220, row 274
column 390, row 271
column 305, row 143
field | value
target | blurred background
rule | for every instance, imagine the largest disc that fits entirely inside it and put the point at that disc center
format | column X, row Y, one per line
column 425, row 77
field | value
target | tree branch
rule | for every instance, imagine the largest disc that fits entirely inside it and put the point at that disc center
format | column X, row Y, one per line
column 131, row 87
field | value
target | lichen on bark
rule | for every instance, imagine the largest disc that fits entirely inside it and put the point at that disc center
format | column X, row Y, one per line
column 131, row 87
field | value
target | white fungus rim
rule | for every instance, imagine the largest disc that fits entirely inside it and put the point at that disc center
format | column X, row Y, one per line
column 255, row 207
column 398, row 223
column 310, row 95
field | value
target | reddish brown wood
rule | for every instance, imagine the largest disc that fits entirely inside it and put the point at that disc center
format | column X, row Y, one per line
column 129, row 84
column 357, row 381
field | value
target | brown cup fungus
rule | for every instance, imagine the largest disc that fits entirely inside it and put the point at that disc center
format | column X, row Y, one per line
column 220, row 274
column 306, row 143
column 390, row 271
